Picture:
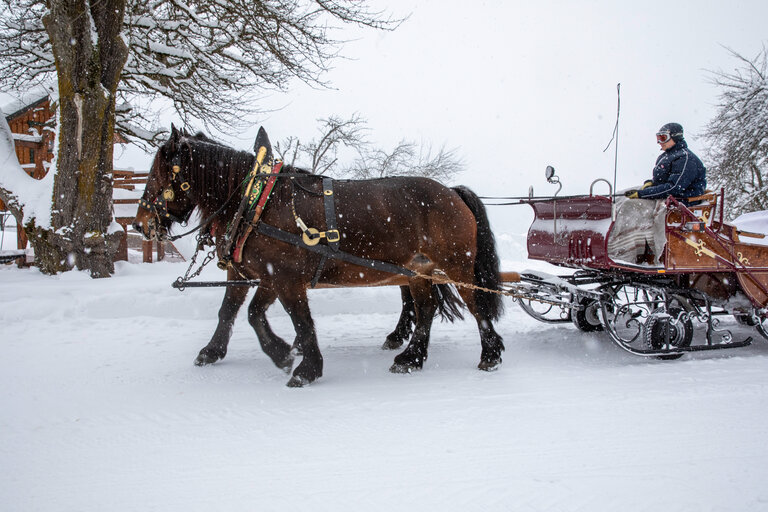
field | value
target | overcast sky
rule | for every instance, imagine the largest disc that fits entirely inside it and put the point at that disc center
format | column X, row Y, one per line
column 519, row 85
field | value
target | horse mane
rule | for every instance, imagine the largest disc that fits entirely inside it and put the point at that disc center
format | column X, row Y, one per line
column 299, row 170
column 217, row 170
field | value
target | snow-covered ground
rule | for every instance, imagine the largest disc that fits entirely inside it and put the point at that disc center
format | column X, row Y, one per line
column 103, row 410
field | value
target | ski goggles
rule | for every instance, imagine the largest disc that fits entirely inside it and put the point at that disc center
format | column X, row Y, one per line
column 666, row 135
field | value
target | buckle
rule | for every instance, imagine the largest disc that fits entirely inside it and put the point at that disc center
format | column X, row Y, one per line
column 332, row 236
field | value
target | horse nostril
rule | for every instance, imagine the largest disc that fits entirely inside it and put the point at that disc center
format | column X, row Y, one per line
column 136, row 226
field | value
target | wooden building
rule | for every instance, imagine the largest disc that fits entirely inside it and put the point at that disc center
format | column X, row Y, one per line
column 33, row 133
column 32, row 128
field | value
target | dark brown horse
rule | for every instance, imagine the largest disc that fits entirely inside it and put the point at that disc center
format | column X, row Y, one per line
column 412, row 223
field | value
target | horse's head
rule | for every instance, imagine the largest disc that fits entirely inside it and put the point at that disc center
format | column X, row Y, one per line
column 166, row 197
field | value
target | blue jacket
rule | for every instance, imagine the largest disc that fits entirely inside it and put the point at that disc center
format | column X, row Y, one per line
column 679, row 173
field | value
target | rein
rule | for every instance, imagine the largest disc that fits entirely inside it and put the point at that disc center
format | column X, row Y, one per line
column 205, row 221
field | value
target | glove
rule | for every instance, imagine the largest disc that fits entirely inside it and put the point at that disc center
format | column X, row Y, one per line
column 647, row 184
column 632, row 194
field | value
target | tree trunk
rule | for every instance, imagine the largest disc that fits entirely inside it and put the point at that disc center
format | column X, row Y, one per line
column 89, row 54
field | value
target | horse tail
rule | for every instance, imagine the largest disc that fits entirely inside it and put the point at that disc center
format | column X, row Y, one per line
column 449, row 304
column 487, row 274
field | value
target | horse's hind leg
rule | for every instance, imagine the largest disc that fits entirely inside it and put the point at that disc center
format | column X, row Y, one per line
column 491, row 342
column 415, row 354
column 493, row 346
column 217, row 347
column 404, row 328
column 272, row 345
column 294, row 300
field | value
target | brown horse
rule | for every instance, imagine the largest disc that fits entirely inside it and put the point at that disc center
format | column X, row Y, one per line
column 414, row 224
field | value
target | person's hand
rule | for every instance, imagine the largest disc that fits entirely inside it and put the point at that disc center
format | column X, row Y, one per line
column 632, row 193
column 647, row 184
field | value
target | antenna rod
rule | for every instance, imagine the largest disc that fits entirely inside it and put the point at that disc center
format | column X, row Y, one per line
column 616, row 147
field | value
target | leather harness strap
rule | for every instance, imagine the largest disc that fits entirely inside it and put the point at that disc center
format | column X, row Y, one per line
column 293, row 239
column 329, row 204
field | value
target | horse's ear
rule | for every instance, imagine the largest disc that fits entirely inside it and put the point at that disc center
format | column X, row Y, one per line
column 175, row 135
column 262, row 140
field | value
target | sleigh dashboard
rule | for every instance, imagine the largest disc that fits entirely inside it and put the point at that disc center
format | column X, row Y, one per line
column 571, row 231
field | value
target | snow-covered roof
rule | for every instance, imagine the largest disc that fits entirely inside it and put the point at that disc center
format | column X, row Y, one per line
column 12, row 104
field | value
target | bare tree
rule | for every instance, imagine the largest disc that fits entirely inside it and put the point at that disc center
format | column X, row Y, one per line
column 738, row 134
column 113, row 59
column 406, row 159
column 335, row 133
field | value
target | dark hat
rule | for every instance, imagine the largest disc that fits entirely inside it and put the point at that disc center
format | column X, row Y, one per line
column 675, row 130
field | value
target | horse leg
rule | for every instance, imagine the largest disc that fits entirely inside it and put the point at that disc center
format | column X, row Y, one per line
column 493, row 346
column 311, row 367
column 272, row 345
column 491, row 342
column 414, row 355
column 404, row 328
column 217, row 347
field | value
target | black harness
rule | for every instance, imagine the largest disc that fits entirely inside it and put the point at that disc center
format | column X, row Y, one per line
column 327, row 252
column 309, row 239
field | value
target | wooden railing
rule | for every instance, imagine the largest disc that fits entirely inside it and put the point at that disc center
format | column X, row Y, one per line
column 125, row 211
column 128, row 180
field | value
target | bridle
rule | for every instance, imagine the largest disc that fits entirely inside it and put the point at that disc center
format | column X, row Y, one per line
column 159, row 206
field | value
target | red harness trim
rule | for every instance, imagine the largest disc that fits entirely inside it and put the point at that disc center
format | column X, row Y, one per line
column 237, row 254
column 267, row 190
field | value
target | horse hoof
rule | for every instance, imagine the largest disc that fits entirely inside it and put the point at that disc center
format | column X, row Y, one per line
column 297, row 382
column 287, row 364
column 403, row 368
column 205, row 359
column 392, row 344
column 490, row 366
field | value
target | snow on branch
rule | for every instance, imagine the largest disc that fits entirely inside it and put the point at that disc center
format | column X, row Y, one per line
column 738, row 134
column 210, row 58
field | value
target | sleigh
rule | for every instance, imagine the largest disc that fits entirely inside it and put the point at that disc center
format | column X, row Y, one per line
column 646, row 276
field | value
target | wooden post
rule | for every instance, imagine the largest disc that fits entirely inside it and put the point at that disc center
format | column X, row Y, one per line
column 21, row 243
column 122, row 249
column 146, row 249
